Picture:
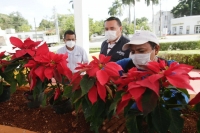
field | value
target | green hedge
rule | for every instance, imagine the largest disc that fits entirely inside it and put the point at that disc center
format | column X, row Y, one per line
column 191, row 45
column 190, row 59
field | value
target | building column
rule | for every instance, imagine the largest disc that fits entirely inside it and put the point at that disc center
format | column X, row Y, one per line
column 81, row 24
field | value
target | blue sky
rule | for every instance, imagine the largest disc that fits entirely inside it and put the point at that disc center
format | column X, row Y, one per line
column 97, row 9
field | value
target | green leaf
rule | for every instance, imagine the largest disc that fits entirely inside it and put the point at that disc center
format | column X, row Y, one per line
column 116, row 99
column 86, row 84
column 161, row 119
column 76, row 95
column 11, row 67
column 177, row 122
column 44, row 101
column 151, row 127
column 37, row 89
column 8, row 76
column 13, row 86
column 1, row 88
column 184, row 91
column 67, row 91
column 198, row 126
column 97, row 115
column 149, row 101
column 86, row 107
column 20, row 77
column 128, row 108
column 131, row 124
column 77, row 105
column 197, row 107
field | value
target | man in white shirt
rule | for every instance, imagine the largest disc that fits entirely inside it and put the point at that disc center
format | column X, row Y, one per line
column 76, row 54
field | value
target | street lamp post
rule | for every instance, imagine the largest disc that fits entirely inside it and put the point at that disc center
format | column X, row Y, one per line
column 35, row 29
column 160, row 20
column 191, row 8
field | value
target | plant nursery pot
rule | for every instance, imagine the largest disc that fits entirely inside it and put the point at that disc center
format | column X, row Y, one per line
column 61, row 107
column 6, row 94
column 33, row 103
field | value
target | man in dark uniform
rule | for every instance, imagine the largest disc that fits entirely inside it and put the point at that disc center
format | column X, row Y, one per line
column 115, row 40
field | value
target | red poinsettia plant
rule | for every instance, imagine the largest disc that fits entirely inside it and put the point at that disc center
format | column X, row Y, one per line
column 24, row 51
column 4, row 77
column 43, row 70
column 158, row 94
column 49, row 72
column 94, row 90
column 150, row 96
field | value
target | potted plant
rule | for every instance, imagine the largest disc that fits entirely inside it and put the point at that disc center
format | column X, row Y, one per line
column 24, row 51
column 153, row 98
column 94, row 91
column 45, row 72
column 49, row 74
column 4, row 79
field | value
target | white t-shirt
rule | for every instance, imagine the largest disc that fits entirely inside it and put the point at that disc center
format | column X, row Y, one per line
column 77, row 55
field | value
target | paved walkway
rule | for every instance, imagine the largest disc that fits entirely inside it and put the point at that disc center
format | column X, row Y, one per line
column 194, row 83
column 8, row 129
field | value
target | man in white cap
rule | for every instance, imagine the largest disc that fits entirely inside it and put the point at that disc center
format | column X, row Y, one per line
column 144, row 47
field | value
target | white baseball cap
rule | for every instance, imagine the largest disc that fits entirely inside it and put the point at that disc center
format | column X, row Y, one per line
column 141, row 37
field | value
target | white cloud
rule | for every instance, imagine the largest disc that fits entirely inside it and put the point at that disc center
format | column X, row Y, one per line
column 51, row 3
column 9, row 9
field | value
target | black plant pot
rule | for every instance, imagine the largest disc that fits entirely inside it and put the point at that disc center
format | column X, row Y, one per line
column 33, row 103
column 61, row 107
column 6, row 94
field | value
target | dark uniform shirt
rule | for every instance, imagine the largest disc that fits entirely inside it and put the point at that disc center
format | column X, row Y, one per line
column 116, row 51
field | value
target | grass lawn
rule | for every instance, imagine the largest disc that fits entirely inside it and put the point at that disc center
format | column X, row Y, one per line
column 181, row 52
column 94, row 50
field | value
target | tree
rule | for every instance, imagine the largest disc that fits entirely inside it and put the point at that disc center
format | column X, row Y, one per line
column 45, row 24
column 66, row 22
column 184, row 8
column 153, row 2
column 129, row 3
column 95, row 27
column 115, row 9
column 141, row 23
column 127, row 28
column 5, row 21
column 141, row 20
column 24, row 28
column 15, row 21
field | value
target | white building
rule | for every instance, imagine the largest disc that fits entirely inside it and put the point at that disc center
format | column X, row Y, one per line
column 186, row 25
column 162, row 23
column 5, row 35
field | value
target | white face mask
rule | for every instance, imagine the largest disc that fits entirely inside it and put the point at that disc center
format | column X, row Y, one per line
column 70, row 44
column 111, row 35
column 140, row 59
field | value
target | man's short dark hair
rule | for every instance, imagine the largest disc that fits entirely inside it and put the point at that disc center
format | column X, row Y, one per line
column 69, row 32
column 114, row 18
column 152, row 44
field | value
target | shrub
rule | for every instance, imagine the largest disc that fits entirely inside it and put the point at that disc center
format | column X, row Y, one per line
column 190, row 59
column 191, row 45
